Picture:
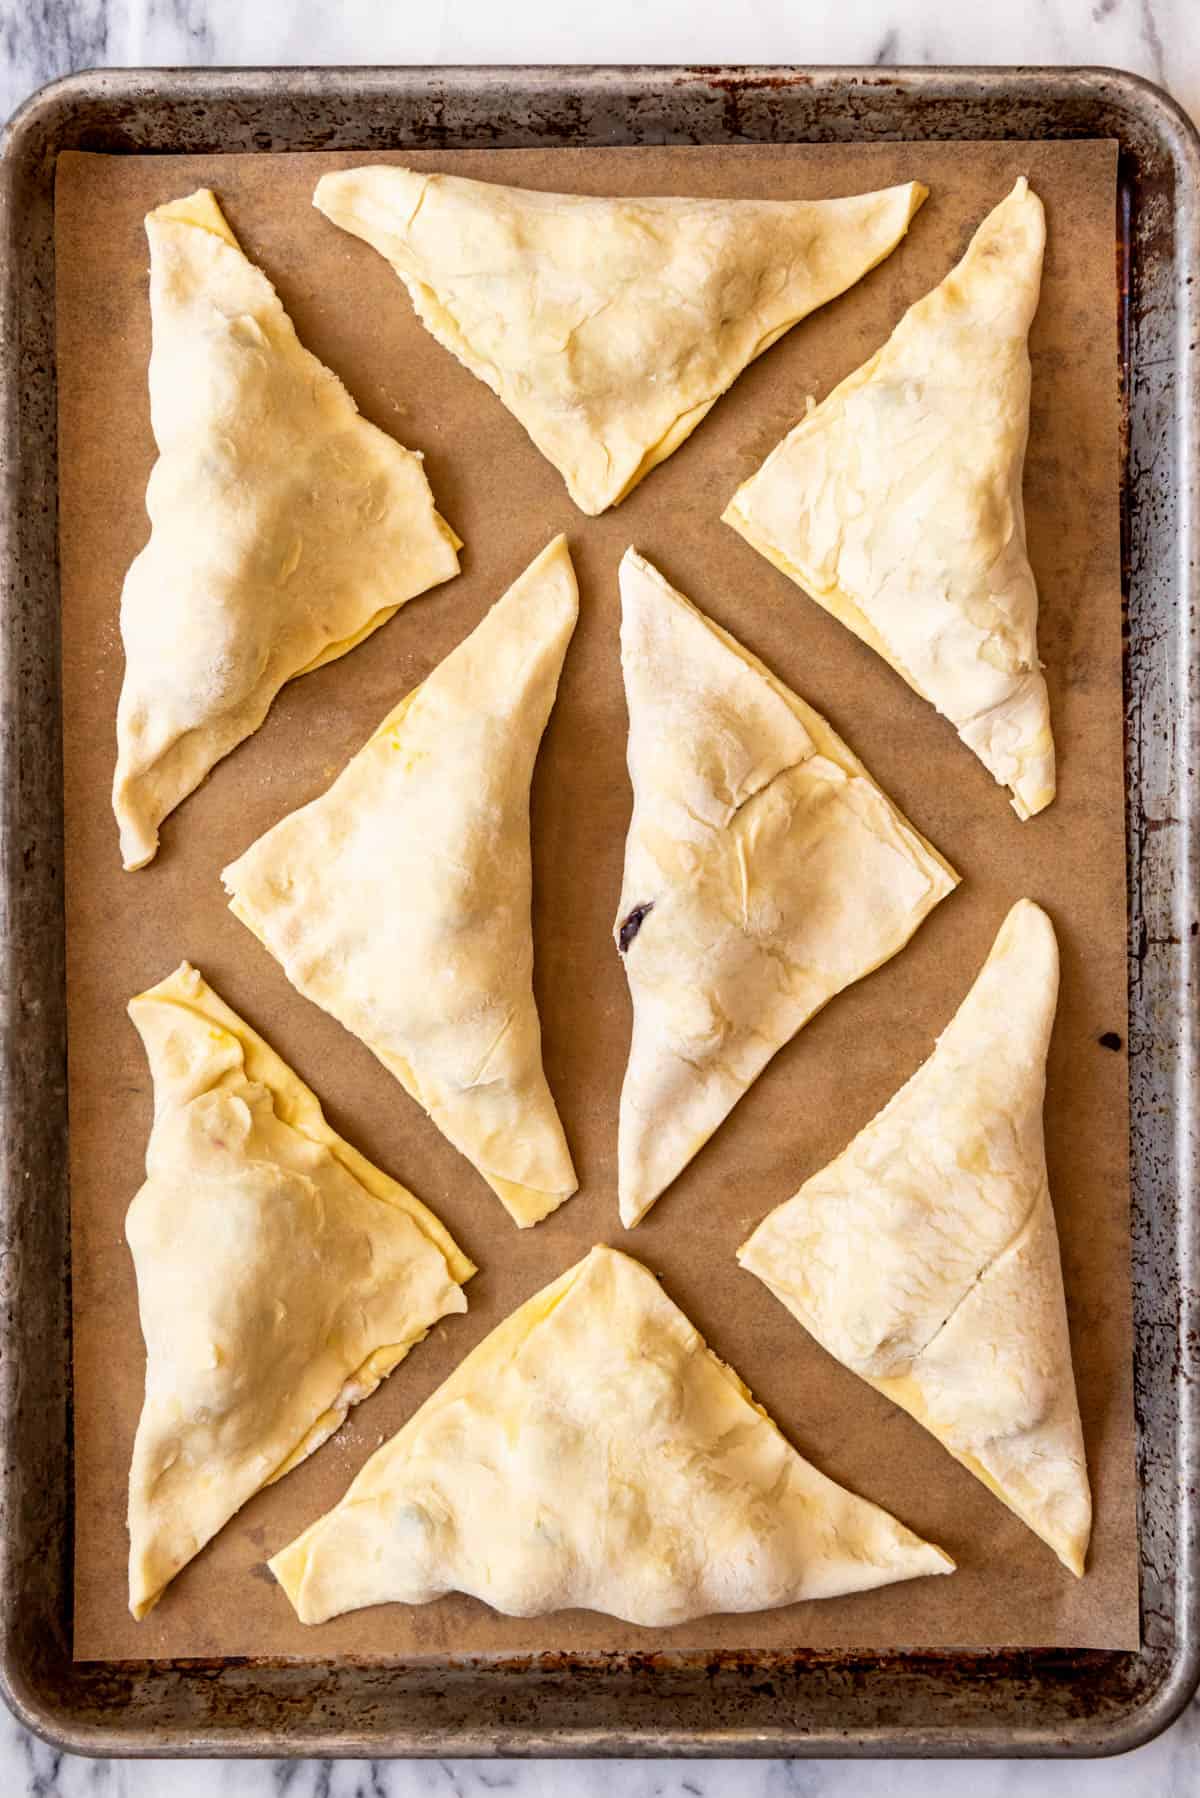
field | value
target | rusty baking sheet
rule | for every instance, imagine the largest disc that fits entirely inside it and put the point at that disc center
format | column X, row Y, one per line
column 1033, row 1702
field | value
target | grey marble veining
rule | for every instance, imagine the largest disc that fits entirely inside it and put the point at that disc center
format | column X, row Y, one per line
column 1169, row 1768
column 43, row 38
column 40, row 39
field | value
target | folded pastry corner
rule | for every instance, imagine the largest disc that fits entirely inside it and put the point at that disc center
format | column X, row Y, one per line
column 280, row 1277
column 612, row 1463
column 896, row 503
column 764, row 872
column 399, row 901
column 926, row 1256
column 609, row 327
column 284, row 528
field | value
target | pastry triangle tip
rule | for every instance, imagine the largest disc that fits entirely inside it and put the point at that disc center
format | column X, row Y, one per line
column 556, row 558
column 287, row 1568
column 1072, row 1554
column 918, row 193
column 141, row 1600
column 632, row 1209
column 135, row 858
column 200, row 209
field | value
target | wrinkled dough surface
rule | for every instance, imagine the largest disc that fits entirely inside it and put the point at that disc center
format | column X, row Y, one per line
column 610, row 326
column 593, row 1452
column 897, row 503
column 284, row 527
column 280, row 1277
column 925, row 1256
column 399, row 901
column 775, row 872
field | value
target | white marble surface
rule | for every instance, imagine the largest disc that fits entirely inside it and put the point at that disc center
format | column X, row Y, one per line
column 43, row 38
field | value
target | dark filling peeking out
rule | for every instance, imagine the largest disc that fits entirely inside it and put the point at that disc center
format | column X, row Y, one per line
column 632, row 924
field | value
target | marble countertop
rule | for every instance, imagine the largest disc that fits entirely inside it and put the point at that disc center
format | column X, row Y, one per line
column 40, row 39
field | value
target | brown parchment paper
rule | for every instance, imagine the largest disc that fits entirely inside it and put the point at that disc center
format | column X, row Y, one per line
column 126, row 931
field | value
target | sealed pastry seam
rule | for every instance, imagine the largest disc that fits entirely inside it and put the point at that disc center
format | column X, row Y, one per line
column 593, row 1452
column 764, row 872
column 285, row 528
column 281, row 1276
column 400, row 900
column 925, row 1257
column 610, row 327
column 897, row 503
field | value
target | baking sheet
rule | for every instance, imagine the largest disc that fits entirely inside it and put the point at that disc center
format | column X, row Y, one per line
column 125, row 931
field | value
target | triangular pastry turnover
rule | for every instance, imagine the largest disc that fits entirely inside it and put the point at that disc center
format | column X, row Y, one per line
column 592, row 1452
column 610, row 326
column 896, row 503
column 926, row 1258
column 764, row 872
column 280, row 1277
column 284, row 527
column 399, row 901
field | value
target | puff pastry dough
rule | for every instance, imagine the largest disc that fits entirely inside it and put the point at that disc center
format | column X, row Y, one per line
column 897, row 504
column 399, row 901
column 764, row 872
column 280, row 1277
column 926, row 1258
column 593, row 1452
column 609, row 327
column 284, row 527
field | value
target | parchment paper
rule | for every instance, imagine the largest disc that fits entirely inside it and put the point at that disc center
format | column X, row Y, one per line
column 126, row 931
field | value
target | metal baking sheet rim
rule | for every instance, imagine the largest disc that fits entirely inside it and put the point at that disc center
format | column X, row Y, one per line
column 1056, row 1703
